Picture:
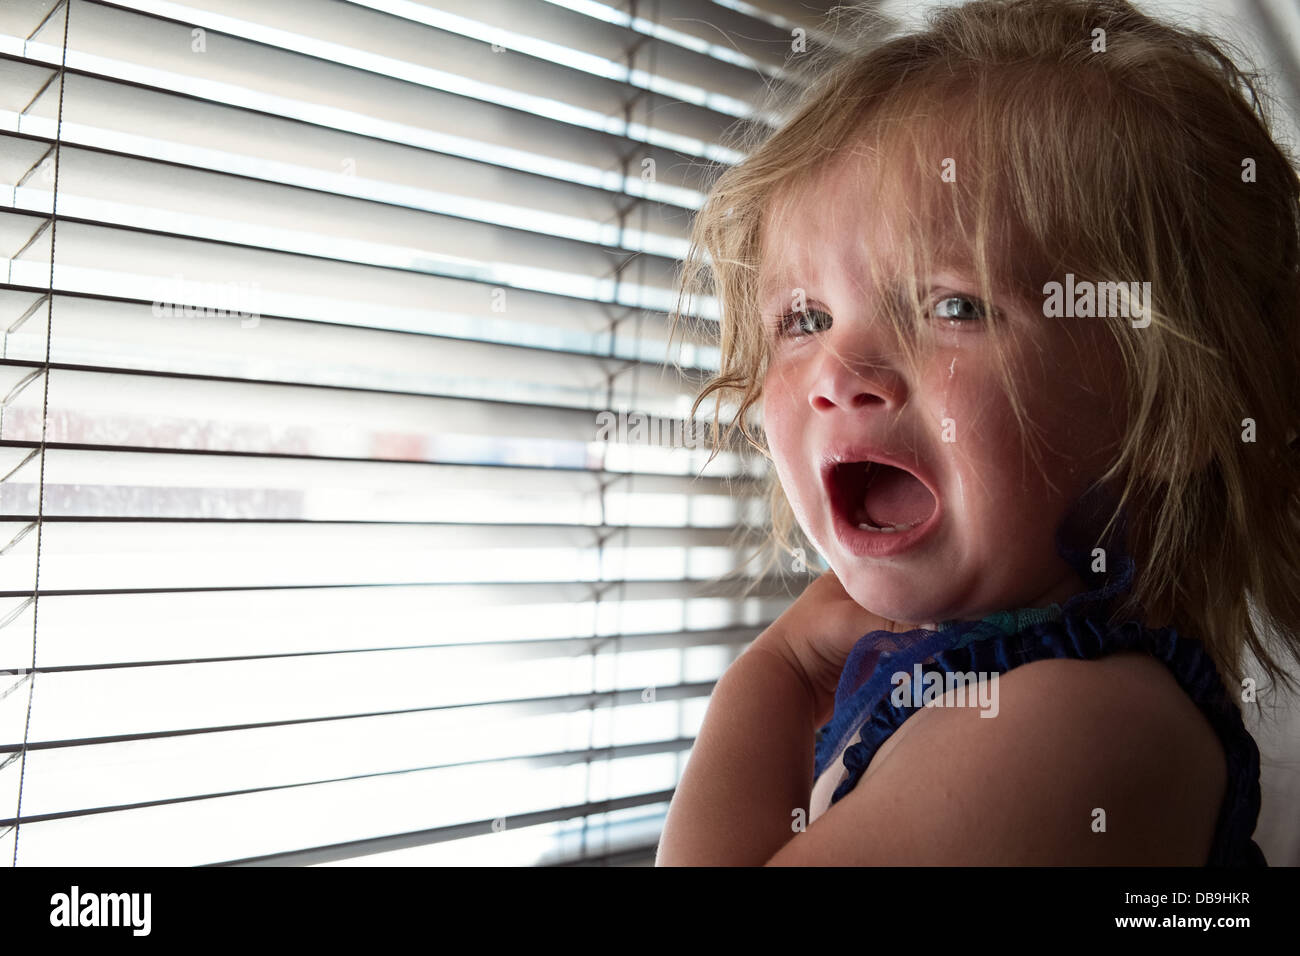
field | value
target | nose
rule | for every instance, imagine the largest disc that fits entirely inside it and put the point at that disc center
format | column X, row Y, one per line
column 854, row 372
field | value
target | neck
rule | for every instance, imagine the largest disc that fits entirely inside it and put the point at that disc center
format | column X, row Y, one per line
column 1061, row 590
column 1065, row 588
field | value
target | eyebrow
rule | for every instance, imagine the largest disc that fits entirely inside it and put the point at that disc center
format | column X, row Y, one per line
column 770, row 286
column 962, row 272
column 895, row 291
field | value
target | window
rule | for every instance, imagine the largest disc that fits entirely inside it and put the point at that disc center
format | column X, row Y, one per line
column 312, row 549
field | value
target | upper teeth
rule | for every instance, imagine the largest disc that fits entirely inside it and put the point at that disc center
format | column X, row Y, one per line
column 890, row 529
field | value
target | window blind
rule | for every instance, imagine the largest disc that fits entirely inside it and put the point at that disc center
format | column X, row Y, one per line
column 311, row 552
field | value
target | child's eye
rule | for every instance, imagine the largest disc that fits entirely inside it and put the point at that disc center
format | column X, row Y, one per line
column 794, row 324
column 956, row 309
column 960, row 309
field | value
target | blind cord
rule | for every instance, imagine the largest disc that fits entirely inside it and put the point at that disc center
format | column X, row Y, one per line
column 45, row 418
column 634, row 365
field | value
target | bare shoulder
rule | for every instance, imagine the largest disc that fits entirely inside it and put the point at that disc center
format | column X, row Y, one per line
column 1104, row 762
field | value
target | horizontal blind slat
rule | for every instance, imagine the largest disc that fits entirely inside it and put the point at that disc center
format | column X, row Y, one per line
column 583, row 34
column 202, row 414
column 224, row 774
column 106, row 630
column 538, row 321
column 554, row 839
column 206, row 831
column 138, row 555
column 722, row 28
column 90, row 483
column 222, row 696
column 108, row 408
column 522, row 646
column 125, row 337
column 124, row 464
column 149, row 265
column 472, row 847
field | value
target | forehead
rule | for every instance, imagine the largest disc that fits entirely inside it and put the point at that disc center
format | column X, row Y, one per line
column 873, row 217
column 850, row 217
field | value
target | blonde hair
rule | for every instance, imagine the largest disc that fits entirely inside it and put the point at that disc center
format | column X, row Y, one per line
column 1109, row 155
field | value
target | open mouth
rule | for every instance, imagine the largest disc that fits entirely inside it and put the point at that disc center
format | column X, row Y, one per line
column 876, row 497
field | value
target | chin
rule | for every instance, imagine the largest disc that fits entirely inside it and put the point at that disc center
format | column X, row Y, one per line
column 894, row 602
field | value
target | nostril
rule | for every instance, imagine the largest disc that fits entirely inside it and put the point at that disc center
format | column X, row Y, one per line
column 867, row 398
column 850, row 389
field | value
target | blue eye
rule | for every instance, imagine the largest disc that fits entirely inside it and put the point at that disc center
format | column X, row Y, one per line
column 793, row 324
column 959, row 309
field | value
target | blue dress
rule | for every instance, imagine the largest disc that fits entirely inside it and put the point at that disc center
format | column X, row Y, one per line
column 996, row 644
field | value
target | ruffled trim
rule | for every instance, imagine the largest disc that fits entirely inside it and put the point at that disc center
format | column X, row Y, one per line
column 863, row 699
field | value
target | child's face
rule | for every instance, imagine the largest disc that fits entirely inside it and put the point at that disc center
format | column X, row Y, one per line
column 987, row 542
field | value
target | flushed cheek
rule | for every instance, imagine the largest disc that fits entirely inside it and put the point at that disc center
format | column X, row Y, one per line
column 977, row 422
column 1011, row 512
column 780, row 425
column 993, row 492
column 784, row 428
column 960, row 391
column 975, row 428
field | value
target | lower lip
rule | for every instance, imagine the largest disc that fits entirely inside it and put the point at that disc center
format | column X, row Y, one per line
column 879, row 544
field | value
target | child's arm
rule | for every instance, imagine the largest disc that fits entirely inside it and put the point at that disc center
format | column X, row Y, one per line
column 750, row 768
column 749, row 777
